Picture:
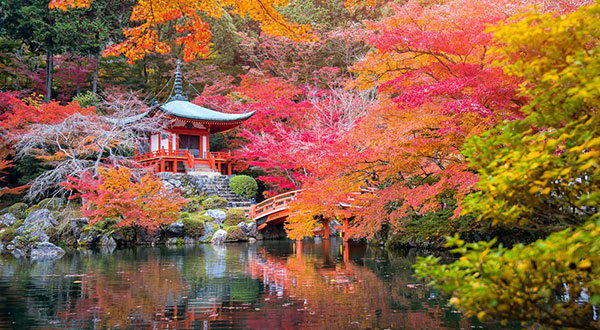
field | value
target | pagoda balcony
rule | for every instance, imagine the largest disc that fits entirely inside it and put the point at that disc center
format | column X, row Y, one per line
column 183, row 161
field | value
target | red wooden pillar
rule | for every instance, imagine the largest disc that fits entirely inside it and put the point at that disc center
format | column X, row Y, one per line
column 176, row 141
column 175, row 166
column 162, row 165
column 170, row 137
column 219, row 167
column 326, row 230
column 229, row 169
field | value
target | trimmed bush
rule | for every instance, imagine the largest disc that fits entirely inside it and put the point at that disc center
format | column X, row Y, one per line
column 195, row 203
column 234, row 216
column 8, row 235
column 18, row 210
column 235, row 234
column 215, row 202
column 243, row 185
column 193, row 225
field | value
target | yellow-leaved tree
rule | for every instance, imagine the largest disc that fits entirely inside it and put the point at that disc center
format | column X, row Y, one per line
column 540, row 172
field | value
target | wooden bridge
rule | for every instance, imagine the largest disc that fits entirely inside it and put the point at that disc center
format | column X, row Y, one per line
column 276, row 210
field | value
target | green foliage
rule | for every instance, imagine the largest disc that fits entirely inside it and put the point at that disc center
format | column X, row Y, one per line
column 243, row 185
column 8, row 235
column 88, row 99
column 234, row 216
column 214, row 202
column 235, row 234
column 17, row 210
column 195, row 203
column 194, row 226
column 546, row 281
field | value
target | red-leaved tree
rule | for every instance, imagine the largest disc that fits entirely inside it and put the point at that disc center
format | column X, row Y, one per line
column 116, row 195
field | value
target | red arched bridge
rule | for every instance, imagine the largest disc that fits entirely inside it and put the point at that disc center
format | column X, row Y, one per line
column 276, row 210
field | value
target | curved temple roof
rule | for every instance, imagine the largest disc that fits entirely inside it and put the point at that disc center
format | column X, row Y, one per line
column 188, row 110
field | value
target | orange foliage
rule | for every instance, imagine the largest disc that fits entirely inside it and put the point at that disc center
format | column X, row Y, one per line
column 194, row 33
column 116, row 196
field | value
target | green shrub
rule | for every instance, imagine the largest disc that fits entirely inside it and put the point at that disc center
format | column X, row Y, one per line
column 8, row 235
column 195, row 203
column 215, row 202
column 88, row 99
column 235, row 216
column 18, row 210
column 194, row 227
column 243, row 185
column 235, row 234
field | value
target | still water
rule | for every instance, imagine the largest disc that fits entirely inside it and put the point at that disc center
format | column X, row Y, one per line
column 267, row 285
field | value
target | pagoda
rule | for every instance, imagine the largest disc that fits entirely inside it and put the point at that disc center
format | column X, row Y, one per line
column 185, row 148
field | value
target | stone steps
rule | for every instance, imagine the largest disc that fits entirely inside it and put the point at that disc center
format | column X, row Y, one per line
column 210, row 183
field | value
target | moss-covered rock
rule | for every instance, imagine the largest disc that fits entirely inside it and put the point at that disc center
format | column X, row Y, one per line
column 193, row 224
column 234, row 216
column 215, row 202
column 235, row 234
column 17, row 210
column 7, row 235
column 195, row 203
column 52, row 204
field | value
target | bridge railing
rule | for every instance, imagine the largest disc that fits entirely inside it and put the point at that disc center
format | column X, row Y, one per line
column 274, row 203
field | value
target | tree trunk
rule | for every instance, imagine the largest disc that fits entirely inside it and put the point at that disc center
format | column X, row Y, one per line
column 49, row 69
column 95, row 77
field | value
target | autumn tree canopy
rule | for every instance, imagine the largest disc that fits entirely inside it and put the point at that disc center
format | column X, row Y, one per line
column 187, row 20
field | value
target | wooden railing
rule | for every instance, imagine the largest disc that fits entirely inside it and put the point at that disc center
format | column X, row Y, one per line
column 161, row 153
column 222, row 155
column 211, row 160
column 187, row 157
column 190, row 160
column 273, row 204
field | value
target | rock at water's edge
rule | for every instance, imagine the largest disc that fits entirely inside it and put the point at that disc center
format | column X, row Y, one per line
column 219, row 237
column 38, row 219
column 46, row 251
column 175, row 229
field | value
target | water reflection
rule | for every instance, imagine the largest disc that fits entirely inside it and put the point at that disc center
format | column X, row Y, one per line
column 274, row 285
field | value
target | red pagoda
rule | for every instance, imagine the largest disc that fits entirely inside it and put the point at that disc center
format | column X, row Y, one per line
column 185, row 148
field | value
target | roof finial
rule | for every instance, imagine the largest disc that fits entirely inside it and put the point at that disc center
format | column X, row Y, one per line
column 178, row 85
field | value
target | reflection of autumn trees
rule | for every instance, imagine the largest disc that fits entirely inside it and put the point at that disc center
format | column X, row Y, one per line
column 128, row 295
column 265, row 286
column 343, row 295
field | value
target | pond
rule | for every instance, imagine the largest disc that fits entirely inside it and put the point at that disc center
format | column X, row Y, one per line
column 314, row 284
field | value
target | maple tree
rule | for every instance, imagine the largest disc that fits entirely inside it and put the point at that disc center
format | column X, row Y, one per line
column 193, row 32
column 543, row 172
column 74, row 140
column 115, row 195
column 437, row 85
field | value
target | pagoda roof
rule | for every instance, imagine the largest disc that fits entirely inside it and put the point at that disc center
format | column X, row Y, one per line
column 188, row 110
